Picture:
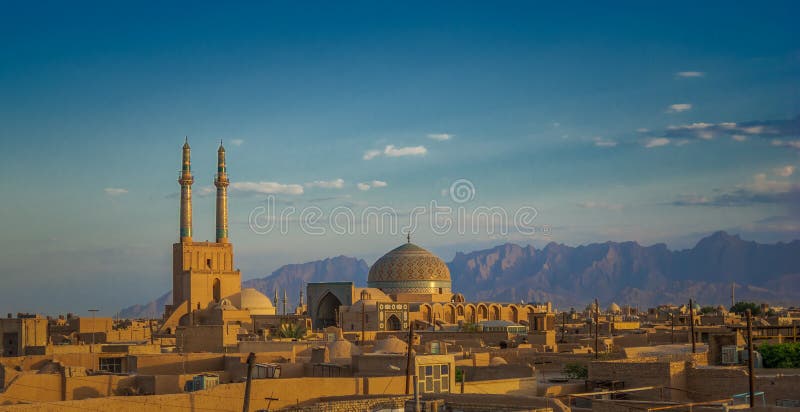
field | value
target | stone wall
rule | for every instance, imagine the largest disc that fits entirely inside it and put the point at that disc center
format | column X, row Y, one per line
column 349, row 405
column 710, row 383
column 516, row 386
column 33, row 387
column 642, row 373
column 176, row 363
column 509, row 371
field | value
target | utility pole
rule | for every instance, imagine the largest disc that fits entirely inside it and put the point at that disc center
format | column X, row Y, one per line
column 150, row 325
column 563, row 326
column 408, row 356
column 691, row 325
column 270, row 399
column 251, row 359
column 750, row 359
column 596, row 327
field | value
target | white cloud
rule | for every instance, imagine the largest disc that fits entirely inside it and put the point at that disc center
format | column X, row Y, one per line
column 786, row 143
column 364, row 186
column 739, row 137
column 692, row 200
column 693, row 126
column 371, row 154
column 392, row 151
column 785, row 171
column 679, row 107
column 441, row 136
column 556, row 124
column 600, row 205
column 753, row 129
column 268, row 188
column 237, row 142
column 115, row 191
column 205, row 190
column 761, row 184
column 327, row 184
column 690, row 74
column 642, row 130
column 657, row 142
column 601, row 142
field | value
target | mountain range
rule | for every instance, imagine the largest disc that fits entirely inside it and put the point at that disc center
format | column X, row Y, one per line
column 621, row 272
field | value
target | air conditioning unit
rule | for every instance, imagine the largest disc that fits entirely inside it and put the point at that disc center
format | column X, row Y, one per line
column 730, row 355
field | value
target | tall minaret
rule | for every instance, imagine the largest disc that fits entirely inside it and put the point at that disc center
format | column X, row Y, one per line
column 221, row 182
column 186, row 179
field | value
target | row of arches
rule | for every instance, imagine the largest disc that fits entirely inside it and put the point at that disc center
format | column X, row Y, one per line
column 474, row 312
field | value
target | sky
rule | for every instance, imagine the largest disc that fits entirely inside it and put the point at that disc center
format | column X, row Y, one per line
column 571, row 123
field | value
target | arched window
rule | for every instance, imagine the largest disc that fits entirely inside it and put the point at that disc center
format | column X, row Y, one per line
column 393, row 323
column 216, row 290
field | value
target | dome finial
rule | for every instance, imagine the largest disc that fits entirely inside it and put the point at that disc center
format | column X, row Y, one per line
column 408, row 236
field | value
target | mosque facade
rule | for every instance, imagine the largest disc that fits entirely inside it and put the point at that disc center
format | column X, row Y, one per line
column 408, row 287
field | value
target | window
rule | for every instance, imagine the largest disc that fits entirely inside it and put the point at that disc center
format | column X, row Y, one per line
column 113, row 365
column 434, row 378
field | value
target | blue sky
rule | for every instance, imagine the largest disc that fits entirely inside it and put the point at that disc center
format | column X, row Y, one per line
column 625, row 122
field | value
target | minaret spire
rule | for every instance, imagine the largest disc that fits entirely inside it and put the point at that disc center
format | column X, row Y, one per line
column 221, row 182
column 186, row 179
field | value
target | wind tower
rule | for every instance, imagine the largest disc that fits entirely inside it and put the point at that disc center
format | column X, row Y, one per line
column 221, row 182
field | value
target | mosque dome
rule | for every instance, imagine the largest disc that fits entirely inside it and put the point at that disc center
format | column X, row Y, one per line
column 614, row 308
column 410, row 269
column 254, row 301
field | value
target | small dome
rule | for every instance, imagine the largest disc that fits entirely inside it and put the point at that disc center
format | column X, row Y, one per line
column 390, row 345
column 342, row 349
column 497, row 361
column 254, row 301
column 614, row 308
column 410, row 269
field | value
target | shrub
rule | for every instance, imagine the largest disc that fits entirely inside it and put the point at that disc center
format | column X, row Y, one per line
column 741, row 308
column 576, row 371
column 782, row 355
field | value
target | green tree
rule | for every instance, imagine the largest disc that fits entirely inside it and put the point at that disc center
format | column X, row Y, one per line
column 741, row 308
column 707, row 309
column 576, row 371
column 290, row 330
column 782, row 355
